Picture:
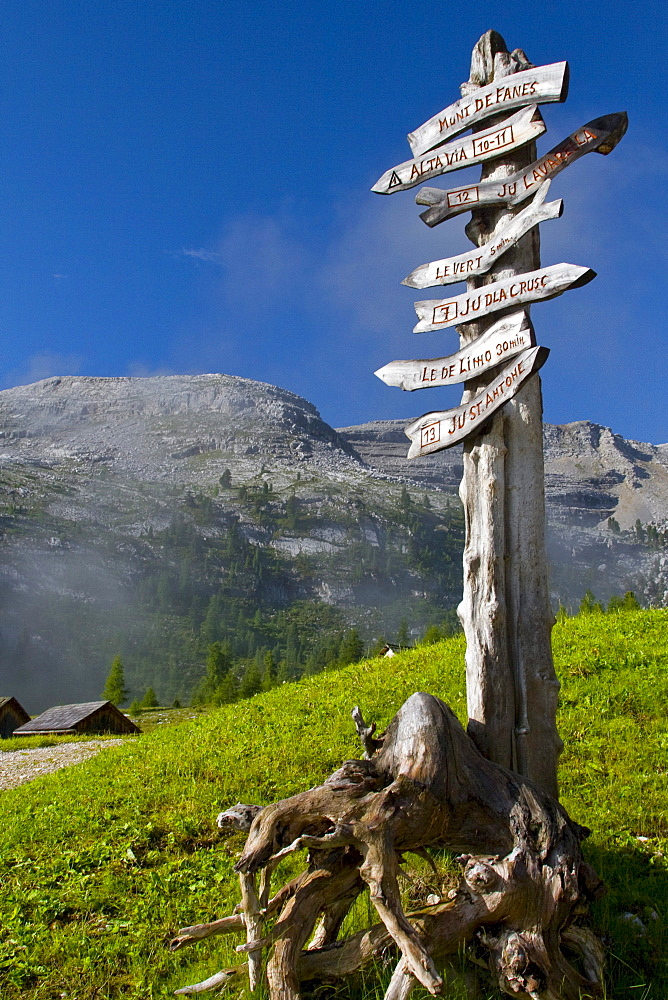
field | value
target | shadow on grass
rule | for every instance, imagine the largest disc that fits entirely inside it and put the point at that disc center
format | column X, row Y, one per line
column 631, row 918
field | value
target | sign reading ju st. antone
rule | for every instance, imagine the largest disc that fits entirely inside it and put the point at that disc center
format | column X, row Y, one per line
column 504, row 351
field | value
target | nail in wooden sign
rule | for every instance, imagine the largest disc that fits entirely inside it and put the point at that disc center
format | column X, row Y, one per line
column 539, row 85
column 478, row 261
column 502, row 341
column 436, row 431
column 521, row 127
column 598, row 136
column 545, row 283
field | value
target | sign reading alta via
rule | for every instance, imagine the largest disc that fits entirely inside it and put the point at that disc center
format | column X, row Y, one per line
column 502, row 341
column 538, row 85
column 521, row 127
column 545, row 283
column 436, row 431
column 598, row 136
column 480, row 260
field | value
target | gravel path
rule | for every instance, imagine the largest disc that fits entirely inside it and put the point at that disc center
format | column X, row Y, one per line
column 19, row 766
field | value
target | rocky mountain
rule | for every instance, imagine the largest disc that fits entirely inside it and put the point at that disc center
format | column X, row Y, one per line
column 154, row 516
column 606, row 501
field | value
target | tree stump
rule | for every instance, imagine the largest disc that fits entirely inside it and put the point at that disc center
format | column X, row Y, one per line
column 518, row 907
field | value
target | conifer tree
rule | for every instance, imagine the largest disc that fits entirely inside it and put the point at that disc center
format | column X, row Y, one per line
column 150, row 699
column 115, row 690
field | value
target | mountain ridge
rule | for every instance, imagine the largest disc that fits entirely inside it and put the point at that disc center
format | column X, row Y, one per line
column 152, row 516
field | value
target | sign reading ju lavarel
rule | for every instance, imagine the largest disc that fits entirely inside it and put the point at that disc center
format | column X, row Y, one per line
column 435, row 431
column 480, row 260
column 504, row 339
column 515, row 131
column 598, row 136
column 538, row 85
column 546, row 283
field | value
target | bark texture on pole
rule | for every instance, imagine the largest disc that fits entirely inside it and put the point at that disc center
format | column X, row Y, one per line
column 511, row 685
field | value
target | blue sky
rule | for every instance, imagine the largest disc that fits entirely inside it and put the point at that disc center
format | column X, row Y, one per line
column 185, row 188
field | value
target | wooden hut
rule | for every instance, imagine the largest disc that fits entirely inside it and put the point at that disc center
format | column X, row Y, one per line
column 12, row 715
column 89, row 717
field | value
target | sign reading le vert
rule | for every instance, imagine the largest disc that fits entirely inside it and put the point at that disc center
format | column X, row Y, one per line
column 475, row 262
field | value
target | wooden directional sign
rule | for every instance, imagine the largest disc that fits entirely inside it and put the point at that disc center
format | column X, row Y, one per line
column 546, row 283
column 598, row 136
column 521, row 127
column 539, row 85
column 502, row 341
column 436, row 431
column 474, row 262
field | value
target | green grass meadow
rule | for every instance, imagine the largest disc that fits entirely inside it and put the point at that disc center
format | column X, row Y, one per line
column 102, row 862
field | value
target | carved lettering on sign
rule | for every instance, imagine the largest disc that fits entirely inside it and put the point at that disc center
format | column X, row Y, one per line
column 504, row 339
column 546, row 283
column 474, row 262
column 522, row 127
column 539, row 85
column 599, row 136
column 436, row 431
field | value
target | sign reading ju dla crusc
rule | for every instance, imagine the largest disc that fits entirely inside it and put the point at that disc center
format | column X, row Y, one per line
column 505, row 352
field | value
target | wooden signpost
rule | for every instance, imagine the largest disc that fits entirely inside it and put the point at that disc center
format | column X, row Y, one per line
column 490, row 792
column 521, row 128
column 546, row 283
column 598, row 136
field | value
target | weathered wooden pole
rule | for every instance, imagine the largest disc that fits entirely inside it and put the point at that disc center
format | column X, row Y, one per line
column 511, row 684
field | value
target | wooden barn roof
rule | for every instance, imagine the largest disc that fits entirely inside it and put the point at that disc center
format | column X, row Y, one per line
column 17, row 704
column 66, row 717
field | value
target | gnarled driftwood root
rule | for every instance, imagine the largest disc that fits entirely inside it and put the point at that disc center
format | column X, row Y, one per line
column 522, row 893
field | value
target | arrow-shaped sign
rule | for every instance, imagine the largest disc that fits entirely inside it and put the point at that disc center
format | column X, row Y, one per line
column 545, row 283
column 598, row 136
column 436, row 431
column 521, row 127
column 502, row 341
column 475, row 262
column 538, row 85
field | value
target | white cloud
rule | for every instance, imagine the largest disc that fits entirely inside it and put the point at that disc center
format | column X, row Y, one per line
column 202, row 254
column 44, row 364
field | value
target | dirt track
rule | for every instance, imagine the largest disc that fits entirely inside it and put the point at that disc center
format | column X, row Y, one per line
column 19, row 766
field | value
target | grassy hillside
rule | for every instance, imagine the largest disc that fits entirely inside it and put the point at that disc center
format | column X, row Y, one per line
column 102, row 862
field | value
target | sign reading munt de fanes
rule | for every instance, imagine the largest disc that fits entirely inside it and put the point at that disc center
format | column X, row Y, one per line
column 506, row 340
column 538, row 85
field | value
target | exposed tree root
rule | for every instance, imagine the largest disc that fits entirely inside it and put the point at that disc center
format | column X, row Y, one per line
column 523, row 887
